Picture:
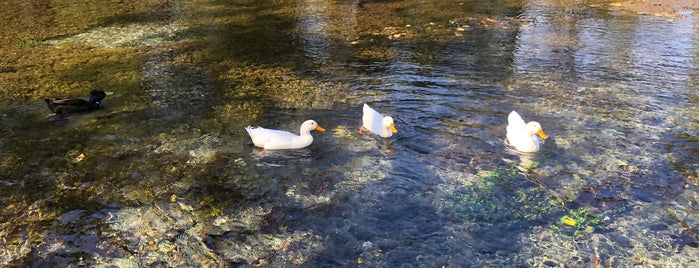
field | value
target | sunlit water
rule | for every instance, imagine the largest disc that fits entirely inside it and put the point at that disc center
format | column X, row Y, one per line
column 168, row 176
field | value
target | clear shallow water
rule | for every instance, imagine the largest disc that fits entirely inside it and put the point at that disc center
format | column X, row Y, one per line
column 166, row 175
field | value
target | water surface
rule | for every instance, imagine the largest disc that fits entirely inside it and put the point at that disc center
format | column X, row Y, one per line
column 165, row 175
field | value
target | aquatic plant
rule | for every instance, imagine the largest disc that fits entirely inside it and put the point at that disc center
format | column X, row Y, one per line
column 502, row 199
column 582, row 220
column 30, row 43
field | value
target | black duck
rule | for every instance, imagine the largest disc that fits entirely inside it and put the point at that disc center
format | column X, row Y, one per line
column 62, row 106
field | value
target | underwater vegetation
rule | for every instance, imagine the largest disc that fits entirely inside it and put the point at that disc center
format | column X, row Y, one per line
column 503, row 200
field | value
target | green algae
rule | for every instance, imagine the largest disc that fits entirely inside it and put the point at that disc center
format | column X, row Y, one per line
column 494, row 199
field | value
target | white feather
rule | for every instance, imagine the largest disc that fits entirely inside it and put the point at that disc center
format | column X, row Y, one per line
column 523, row 136
column 377, row 123
column 278, row 139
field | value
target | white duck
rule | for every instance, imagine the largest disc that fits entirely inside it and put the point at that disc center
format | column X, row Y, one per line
column 278, row 139
column 523, row 136
column 377, row 123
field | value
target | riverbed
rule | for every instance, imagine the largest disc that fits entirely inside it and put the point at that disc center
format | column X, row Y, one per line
column 165, row 175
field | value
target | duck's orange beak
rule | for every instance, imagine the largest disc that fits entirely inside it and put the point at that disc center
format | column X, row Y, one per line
column 319, row 128
column 393, row 128
column 542, row 134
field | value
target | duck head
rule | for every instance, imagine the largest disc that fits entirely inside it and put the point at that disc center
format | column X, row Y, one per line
column 387, row 123
column 309, row 125
column 535, row 128
column 96, row 96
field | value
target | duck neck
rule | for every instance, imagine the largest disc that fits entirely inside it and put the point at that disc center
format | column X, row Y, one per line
column 386, row 132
